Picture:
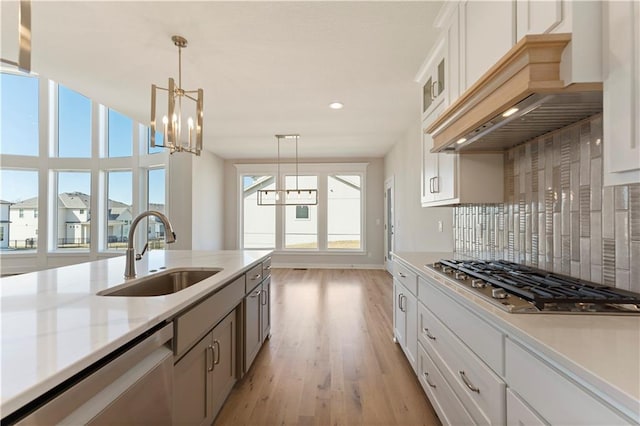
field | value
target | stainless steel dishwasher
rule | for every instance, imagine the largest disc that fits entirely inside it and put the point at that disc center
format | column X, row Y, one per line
column 135, row 387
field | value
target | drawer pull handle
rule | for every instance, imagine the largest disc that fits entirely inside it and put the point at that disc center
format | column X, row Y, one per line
column 426, row 332
column 210, row 366
column 467, row 382
column 268, row 268
column 256, row 294
column 402, row 275
column 217, row 352
column 426, row 379
column 256, row 277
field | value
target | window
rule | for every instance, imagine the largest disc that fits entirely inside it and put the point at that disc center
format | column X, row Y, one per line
column 159, row 141
column 156, row 196
column 120, row 135
column 259, row 222
column 301, row 234
column 20, row 187
column 74, row 124
column 336, row 223
column 19, row 105
column 74, row 199
column 343, row 212
column 302, row 212
column 119, row 208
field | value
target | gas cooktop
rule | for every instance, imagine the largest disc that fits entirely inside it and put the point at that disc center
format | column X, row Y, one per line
column 518, row 288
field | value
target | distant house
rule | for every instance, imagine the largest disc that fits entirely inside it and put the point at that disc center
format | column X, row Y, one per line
column 24, row 221
column 119, row 219
column 73, row 218
column 5, row 207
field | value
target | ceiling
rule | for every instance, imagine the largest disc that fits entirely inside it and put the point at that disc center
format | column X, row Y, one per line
column 265, row 67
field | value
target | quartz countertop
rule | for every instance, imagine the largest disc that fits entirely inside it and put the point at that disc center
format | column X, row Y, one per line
column 601, row 350
column 54, row 325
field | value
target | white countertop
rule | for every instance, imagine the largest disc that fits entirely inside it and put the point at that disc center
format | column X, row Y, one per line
column 54, row 325
column 602, row 350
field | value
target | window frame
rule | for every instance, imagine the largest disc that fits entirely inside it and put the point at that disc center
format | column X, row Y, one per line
column 322, row 171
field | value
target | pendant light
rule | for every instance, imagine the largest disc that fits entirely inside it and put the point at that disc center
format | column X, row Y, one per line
column 181, row 127
column 24, row 38
column 289, row 196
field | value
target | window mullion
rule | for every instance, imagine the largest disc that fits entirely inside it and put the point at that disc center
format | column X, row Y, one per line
column 322, row 211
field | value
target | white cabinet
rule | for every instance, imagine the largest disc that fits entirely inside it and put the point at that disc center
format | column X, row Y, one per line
column 537, row 16
column 405, row 311
column 553, row 395
column 439, row 75
column 449, row 179
column 621, row 97
column 487, row 32
column 519, row 413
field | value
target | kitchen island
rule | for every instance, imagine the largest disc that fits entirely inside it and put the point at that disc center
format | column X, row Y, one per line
column 531, row 356
column 54, row 325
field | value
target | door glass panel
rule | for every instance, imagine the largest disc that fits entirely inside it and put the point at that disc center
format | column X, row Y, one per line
column 441, row 78
column 427, row 95
column 343, row 212
column 301, row 233
column 259, row 222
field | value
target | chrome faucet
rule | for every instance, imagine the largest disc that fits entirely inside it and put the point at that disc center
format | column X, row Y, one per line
column 169, row 237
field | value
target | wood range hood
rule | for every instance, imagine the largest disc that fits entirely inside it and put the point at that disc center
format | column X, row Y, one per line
column 526, row 82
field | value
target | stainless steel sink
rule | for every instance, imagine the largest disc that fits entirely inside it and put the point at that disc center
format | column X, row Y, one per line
column 167, row 282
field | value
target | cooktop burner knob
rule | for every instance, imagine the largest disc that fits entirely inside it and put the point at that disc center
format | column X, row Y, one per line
column 498, row 293
column 446, row 269
column 476, row 283
column 460, row 276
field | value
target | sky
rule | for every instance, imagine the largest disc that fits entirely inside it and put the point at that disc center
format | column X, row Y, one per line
column 19, row 136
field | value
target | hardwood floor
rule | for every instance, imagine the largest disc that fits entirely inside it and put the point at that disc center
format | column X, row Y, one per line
column 331, row 359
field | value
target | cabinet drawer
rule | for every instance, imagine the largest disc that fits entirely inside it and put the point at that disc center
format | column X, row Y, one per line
column 266, row 268
column 519, row 413
column 444, row 401
column 479, row 388
column 479, row 336
column 550, row 393
column 406, row 277
column 198, row 321
column 254, row 277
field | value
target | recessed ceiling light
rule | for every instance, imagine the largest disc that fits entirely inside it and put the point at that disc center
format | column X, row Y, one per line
column 461, row 141
column 336, row 105
column 510, row 111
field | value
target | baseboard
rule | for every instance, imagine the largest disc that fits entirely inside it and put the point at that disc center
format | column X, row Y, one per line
column 326, row 265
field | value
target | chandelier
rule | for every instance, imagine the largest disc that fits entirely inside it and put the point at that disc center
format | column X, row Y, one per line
column 181, row 127
column 289, row 196
column 24, row 38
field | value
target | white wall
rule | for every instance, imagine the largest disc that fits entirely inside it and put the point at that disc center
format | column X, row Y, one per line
column 416, row 228
column 372, row 258
column 207, row 202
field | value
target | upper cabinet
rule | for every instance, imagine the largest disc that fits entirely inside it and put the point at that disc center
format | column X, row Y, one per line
column 621, row 68
column 537, row 17
column 440, row 73
column 487, row 32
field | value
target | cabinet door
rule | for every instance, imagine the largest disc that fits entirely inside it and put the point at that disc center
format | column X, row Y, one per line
column 621, row 97
column 537, row 16
column 223, row 376
column 253, row 331
column 411, row 336
column 266, row 308
column 487, row 33
column 399, row 316
column 191, row 381
column 447, row 177
column 429, row 170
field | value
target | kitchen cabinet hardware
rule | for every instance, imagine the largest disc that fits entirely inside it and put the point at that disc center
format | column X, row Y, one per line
column 216, row 344
column 256, row 294
column 466, row 381
column 426, row 379
column 402, row 275
column 256, row 277
column 210, row 358
column 429, row 335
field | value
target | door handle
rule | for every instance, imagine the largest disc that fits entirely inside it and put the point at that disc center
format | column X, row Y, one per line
column 466, row 381
column 264, row 299
column 426, row 379
column 256, row 294
column 426, row 332
column 436, row 184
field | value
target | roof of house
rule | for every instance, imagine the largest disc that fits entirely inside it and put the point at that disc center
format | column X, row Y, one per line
column 29, row 203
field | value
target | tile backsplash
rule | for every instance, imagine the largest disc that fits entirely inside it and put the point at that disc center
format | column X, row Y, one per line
column 557, row 215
